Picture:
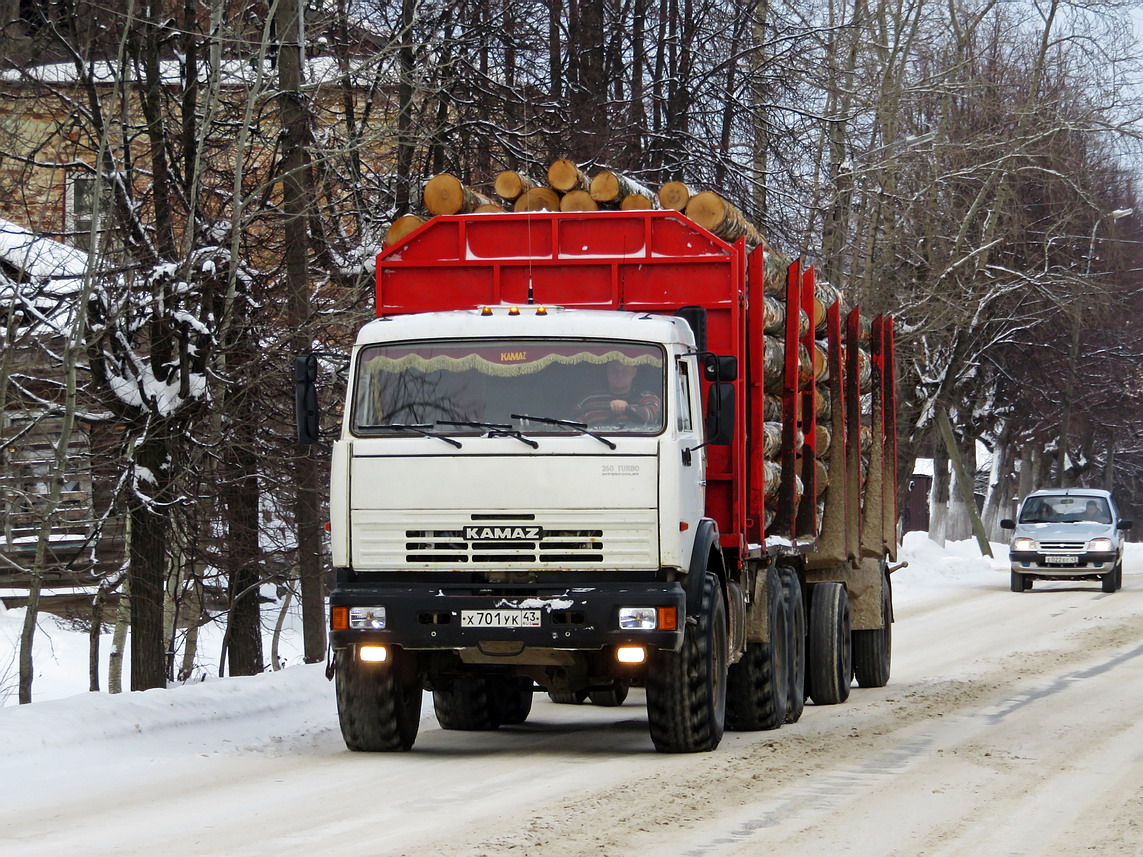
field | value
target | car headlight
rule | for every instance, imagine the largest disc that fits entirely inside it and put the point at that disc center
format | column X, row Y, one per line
column 1024, row 544
column 1100, row 545
column 367, row 618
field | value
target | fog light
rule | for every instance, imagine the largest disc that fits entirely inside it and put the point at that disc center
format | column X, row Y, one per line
column 630, row 654
column 373, row 654
column 367, row 618
column 638, row 619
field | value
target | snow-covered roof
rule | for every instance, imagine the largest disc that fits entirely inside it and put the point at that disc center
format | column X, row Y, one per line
column 40, row 258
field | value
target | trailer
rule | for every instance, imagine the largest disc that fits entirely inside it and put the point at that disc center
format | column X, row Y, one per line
column 573, row 460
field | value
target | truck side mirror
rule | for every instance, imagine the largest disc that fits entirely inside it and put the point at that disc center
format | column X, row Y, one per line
column 720, row 367
column 305, row 398
column 695, row 316
column 1007, row 524
column 720, row 414
column 1125, row 525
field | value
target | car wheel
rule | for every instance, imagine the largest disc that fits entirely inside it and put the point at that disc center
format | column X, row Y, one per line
column 1019, row 582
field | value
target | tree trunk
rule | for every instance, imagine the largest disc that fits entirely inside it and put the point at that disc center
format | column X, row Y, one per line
column 147, row 570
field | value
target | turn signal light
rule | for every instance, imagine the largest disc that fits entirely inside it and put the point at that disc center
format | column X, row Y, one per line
column 339, row 618
column 668, row 619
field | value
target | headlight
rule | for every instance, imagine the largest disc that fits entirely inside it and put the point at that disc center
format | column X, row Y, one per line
column 367, row 618
column 1099, row 545
column 638, row 619
column 1024, row 544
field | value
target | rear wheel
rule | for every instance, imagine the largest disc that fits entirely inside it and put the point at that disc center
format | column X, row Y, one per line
column 512, row 698
column 467, row 704
column 830, row 654
column 873, row 648
column 796, row 621
column 686, row 690
column 758, row 686
column 567, row 697
column 378, row 705
column 610, row 697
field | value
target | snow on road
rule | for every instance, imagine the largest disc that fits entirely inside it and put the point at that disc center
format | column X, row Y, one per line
column 1010, row 727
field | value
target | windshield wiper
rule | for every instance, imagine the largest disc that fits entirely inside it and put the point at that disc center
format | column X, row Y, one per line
column 419, row 429
column 494, row 430
column 552, row 421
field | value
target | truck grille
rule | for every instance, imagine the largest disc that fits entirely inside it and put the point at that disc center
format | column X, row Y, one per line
column 555, row 546
column 625, row 538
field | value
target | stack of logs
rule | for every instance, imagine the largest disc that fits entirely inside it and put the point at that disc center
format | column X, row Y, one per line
column 568, row 188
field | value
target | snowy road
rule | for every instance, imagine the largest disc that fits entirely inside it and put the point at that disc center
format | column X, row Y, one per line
column 1010, row 727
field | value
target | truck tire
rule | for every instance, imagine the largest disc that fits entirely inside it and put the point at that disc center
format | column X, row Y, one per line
column 758, row 686
column 378, row 705
column 567, row 697
column 611, row 697
column 829, row 646
column 873, row 648
column 686, row 690
column 513, row 699
column 467, row 704
column 796, row 622
column 1020, row 582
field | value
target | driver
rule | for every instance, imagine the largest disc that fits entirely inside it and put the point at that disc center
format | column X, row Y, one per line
column 620, row 403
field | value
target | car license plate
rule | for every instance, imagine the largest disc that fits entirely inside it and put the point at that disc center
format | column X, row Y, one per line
column 1061, row 560
column 499, row 618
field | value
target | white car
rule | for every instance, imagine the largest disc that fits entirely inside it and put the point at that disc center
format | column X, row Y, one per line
column 1067, row 534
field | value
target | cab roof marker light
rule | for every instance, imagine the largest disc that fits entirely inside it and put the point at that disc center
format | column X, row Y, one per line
column 514, row 310
column 486, row 310
column 541, row 310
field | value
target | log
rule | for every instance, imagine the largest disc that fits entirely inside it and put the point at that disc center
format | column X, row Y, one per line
column 771, row 440
column 578, row 200
column 637, row 202
column 715, row 214
column 820, row 361
column 401, row 227
column 488, row 208
column 825, row 296
column 823, row 437
column 510, row 184
column 821, row 478
column 446, row 194
column 613, row 187
column 775, row 266
column 772, row 408
column 675, row 195
column 537, row 199
column 774, row 317
column 564, row 175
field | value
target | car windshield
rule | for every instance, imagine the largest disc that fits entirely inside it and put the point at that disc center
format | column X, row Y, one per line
column 478, row 386
column 1064, row 509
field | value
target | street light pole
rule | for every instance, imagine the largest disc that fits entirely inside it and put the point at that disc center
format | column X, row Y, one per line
column 1073, row 351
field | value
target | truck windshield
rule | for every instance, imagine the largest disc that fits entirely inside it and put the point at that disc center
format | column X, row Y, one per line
column 1065, row 509
column 612, row 387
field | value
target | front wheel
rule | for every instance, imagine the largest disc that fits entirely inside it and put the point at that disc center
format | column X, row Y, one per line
column 686, row 690
column 378, row 705
column 1110, row 582
column 1020, row 582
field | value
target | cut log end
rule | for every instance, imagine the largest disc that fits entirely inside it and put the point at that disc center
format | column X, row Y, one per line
column 401, row 227
column 564, row 175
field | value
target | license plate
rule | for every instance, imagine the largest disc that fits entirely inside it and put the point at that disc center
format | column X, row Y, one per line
column 1061, row 560
column 500, row 618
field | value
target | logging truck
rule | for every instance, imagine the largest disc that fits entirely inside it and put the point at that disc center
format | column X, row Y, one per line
column 585, row 452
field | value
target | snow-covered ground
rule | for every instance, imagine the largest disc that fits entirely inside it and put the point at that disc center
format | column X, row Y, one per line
column 939, row 762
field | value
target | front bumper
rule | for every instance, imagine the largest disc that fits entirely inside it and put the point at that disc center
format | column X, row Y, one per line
column 428, row 616
column 1088, row 564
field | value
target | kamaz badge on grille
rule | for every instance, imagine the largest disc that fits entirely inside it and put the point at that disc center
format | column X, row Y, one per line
column 480, row 534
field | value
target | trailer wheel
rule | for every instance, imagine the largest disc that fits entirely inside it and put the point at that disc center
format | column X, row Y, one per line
column 758, row 686
column 830, row 653
column 686, row 690
column 512, row 698
column 611, row 697
column 796, row 622
column 378, row 705
column 467, row 704
column 873, row 648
